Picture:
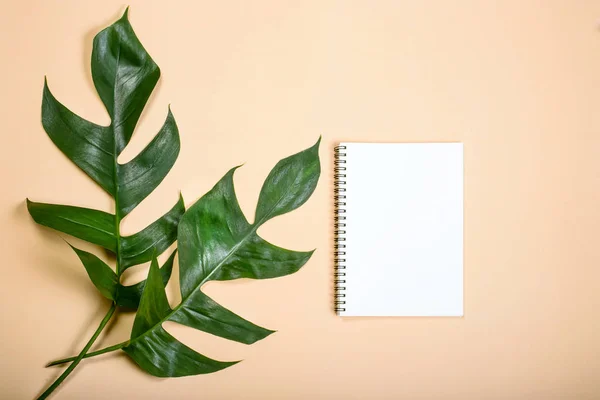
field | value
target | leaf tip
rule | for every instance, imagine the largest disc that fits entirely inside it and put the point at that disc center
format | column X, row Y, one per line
column 154, row 258
column 30, row 204
column 170, row 116
column 70, row 245
column 316, row 145
column 46, row 87
column 126, row 14
column 47, row 98
column 181, row 200
column 232, row 170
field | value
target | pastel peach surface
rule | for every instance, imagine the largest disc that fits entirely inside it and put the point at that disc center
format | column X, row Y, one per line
column 516, row 81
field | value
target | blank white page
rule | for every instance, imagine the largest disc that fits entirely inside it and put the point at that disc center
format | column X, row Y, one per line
column 404, row 229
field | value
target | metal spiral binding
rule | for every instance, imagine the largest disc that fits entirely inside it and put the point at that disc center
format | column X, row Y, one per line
column 339, row 175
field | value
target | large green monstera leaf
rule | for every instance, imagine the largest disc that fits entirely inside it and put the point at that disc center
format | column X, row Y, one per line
column 216, row 242
column 124, row 76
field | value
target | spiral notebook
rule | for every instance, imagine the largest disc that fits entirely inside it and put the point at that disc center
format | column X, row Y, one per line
column 399, row 229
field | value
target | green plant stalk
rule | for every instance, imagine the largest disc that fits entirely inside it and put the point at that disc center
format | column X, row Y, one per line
column 81, row 355
column 108, row 349
column 84, row 353
column 108, row 316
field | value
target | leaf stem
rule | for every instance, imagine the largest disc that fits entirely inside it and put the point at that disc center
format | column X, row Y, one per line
column 108, row 349
column 83, row 352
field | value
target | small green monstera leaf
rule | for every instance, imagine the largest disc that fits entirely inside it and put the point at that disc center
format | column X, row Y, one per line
column 124, row 75
column 216, row 242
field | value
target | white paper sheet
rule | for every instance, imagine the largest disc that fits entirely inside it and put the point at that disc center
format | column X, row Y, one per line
column 404, row 229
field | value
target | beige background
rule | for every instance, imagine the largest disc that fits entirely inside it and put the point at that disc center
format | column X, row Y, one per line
column 517, row 81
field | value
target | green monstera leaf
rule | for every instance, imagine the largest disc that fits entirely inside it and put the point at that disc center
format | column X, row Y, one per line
column 216, row 242
column 124, row 75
